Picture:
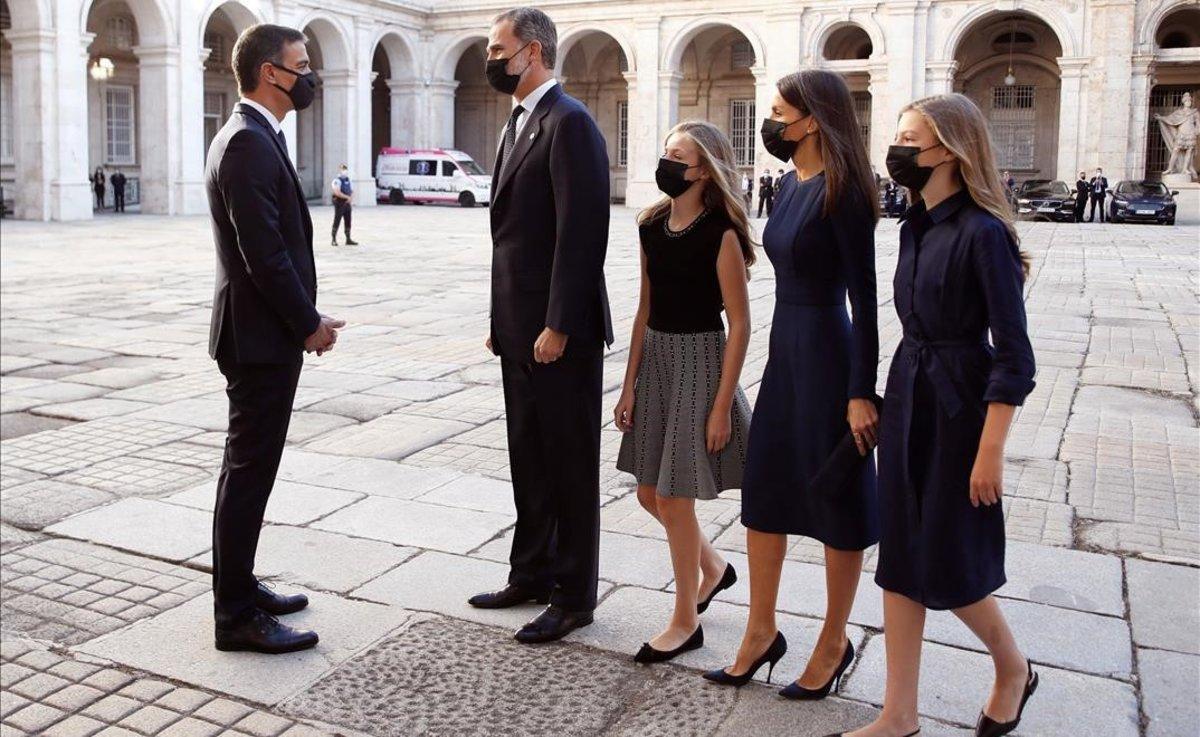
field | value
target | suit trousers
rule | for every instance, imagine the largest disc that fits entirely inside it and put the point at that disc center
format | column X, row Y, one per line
column 260, row 408
column 1097, row 203
column 553, row 417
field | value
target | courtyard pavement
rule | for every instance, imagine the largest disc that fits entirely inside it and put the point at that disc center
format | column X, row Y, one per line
column 393, row 505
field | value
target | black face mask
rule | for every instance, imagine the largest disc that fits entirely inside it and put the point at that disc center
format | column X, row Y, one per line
column 903, row 168
column 303, row 91
column 498, row 77
column 670, row 177
column 774, row 142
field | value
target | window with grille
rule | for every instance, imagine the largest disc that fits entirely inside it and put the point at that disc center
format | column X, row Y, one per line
column 6, row 120
column 118, row 125
column 119, row 31
column 623, row 133
column 741, row 131
column 215, row 43
column 741, row 55
column 1012, row 119
column 862, row 111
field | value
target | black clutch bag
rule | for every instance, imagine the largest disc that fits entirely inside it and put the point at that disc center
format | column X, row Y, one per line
column 842, row 463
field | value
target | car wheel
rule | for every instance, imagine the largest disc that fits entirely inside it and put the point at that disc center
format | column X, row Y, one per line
column 1170, row 221
column 466, row 199
column 396, row 196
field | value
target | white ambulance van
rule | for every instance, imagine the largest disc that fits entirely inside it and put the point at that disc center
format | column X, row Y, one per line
column 434, row 175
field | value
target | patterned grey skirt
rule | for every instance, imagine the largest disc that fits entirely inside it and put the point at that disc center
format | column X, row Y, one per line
column 676, row 386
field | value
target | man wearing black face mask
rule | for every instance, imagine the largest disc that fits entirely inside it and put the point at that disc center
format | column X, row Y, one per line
column 264, row 318
column 1099, row 190
column 766, row 192
column 549, row 324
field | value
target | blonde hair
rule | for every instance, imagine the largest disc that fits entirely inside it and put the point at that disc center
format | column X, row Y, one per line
column 722, row 190
column 959, row 125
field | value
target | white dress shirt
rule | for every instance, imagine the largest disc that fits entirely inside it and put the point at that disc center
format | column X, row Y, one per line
column 270, row 116
column 531, row 101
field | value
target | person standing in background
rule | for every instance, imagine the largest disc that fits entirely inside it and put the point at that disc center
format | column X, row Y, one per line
column 748, row 190
column 766, row 192
column 98, row 187
column 343, row 197
column 118, row 185
column 1083, row 190
column 1099, row 189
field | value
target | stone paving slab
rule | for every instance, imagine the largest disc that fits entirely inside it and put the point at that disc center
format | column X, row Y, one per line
column 177, row 644
column 377, row 477
column 1164, row 606
column 35, row 504
column 290, row 503
column 1163, row 676
column 415, row 524
column 89, row 409
column 390, row 437
column 955, row 685
column 474, row 492
column 82, row 445
column 180, row 532
column 317, row 559
column 1073, row 579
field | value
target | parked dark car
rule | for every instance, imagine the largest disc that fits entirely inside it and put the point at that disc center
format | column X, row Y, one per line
column 1142, row 202
column 1045, row 199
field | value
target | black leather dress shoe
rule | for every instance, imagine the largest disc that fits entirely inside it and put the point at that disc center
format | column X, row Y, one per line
column 277, row 604
column 509, row 596
column 554, row 623
column 263, row 633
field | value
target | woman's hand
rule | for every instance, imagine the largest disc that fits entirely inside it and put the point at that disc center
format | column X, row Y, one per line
column 718, row 429
column 987, row 477
column 623, row 414
column 863, row 419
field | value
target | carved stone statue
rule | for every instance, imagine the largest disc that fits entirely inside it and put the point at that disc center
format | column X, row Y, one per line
column 1179, row 131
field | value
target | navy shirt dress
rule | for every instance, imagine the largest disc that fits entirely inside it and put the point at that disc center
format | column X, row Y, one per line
column 958, row 277
column 818, row 359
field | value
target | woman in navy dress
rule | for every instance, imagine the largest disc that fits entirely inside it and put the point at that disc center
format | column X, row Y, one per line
column 950, row 399
column 819, row 381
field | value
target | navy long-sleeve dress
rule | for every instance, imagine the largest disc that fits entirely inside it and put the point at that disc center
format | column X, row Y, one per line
column 818, row 360
column 958, row 277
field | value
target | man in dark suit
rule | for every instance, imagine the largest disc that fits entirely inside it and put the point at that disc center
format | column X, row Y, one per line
column 118, row 184
column 1083, row 189
column 1099, row 190
column 264, row 318
column 549, row 324
column 766, row 192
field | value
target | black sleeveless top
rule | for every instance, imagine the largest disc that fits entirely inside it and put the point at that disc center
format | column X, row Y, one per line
column 685, row 293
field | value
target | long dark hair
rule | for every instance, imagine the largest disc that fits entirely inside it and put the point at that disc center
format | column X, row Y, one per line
column 825, row 96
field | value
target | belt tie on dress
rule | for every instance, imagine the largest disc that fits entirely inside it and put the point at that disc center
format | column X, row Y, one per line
column 926, row 354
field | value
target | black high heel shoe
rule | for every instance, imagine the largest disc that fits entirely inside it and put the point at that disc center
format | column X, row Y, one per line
column 773, row 655
column 649, row 655
column 799, row 693
column 843, row 734
column 727, row 581
column 988, row 727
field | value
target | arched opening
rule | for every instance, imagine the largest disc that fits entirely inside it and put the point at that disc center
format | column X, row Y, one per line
column 1175, row 73
column 381, row 104
column 220, row 89
column 847, row 43
column 717, row 84
column 117, row 140
column 479, row 111
column 593, row 72
column 394, row 96
column 1007, row 64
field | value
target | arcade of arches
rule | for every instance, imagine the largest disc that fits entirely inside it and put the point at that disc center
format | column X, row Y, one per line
column 143, row 85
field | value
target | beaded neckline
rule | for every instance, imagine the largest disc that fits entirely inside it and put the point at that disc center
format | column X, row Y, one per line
column 680, row 233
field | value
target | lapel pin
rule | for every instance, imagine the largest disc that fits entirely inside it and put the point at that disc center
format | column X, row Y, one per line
column 532, row 135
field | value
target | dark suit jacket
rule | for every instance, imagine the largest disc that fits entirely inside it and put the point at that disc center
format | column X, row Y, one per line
column 265, row 300
column 549, row 215
column 1099, row 187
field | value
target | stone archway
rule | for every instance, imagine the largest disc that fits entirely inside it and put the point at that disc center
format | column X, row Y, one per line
column 395, row 95
column 593, row 70
column 479, row 111
column 220, row 32
column 325, row 131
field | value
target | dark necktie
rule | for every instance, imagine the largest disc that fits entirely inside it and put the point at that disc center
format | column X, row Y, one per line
column 510, row 136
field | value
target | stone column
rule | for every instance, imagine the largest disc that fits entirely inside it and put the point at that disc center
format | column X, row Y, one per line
column 883, row 118
column 339, row 126
column 1139, row 109
column 1071, row 112
column 905, row 23
column 644, row 114
column 189, row 197
column 406, row 97
column 764, row 93
column 158, row 127
column 360, row 153
column 939, row 77
column 440, row 129
column 1109, row 80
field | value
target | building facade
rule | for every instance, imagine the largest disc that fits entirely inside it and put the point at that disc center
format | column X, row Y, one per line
column 143, row 85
